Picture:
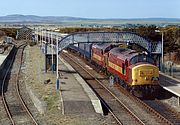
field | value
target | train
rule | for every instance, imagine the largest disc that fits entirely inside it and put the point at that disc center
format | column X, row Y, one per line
column 135, row 71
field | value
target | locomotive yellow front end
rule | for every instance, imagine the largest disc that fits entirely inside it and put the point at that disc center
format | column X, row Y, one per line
column 145, row 74
column 145, row 79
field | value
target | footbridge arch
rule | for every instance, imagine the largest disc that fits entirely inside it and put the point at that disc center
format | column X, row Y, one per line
column 96, row 37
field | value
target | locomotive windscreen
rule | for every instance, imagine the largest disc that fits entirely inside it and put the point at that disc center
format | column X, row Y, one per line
column 142, row 58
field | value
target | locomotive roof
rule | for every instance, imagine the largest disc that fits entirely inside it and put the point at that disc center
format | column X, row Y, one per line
column 102, row 45
column 123, row 53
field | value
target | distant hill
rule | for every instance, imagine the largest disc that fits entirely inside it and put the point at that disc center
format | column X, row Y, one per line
column 59, row 19
column 33, row 18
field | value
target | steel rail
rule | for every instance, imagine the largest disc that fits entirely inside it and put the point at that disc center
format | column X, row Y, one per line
column 128, row 110
column 17, row 89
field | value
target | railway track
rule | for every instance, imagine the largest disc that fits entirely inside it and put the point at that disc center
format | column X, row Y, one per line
column 119, row 111
column 165, row 110
column 157, row 109
column 15, row 108
column 147, row 114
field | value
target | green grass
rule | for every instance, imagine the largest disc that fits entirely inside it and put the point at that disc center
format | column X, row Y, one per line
column 51, row 100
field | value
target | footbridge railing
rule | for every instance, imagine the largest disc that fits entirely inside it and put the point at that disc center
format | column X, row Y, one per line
column 95, row 37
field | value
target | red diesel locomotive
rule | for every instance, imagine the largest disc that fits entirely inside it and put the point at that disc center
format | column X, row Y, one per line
column 135, row 71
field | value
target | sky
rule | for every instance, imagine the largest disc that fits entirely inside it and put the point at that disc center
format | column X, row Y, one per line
column 93, row 8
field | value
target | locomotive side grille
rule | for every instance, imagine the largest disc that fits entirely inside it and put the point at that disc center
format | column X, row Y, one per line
column 115, row 67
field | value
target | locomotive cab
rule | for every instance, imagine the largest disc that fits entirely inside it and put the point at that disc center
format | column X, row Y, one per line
column 144, row 74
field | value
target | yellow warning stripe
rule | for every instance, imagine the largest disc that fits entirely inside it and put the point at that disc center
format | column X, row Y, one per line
column 116, row 67
column 99, row 58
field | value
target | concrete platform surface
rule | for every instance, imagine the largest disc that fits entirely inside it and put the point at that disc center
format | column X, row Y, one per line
column 2, row 58
column 77, row 96
column 170, row 84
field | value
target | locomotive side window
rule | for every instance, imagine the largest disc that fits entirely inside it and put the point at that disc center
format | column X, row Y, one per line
column 107, row 49
column 123, row 69
column 101, row 52
column 141, row 58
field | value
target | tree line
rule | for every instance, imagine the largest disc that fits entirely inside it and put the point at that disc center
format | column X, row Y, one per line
column 171, row 34
column 11, row 32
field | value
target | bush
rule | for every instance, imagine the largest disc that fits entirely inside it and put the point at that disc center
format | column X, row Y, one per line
column 32, row 43
column 11, row 32
column 177, row 57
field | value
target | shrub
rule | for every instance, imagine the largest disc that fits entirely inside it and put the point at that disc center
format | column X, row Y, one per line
column 32, row 43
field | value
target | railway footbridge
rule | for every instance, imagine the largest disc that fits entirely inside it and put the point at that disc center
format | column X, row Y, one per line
column 64, row 40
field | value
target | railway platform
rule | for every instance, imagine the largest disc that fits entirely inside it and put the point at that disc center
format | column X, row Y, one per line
column 170, row 84
column 2, row 58
column 76, row 96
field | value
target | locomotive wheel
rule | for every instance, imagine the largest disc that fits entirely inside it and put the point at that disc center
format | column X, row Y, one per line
column 137, row 94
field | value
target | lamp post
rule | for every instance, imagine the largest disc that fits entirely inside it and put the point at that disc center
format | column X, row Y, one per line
column 45, row 53
column 35, row 35
column 41, row 39
column 52, row 52
column 162, row 42
column 57, row 75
